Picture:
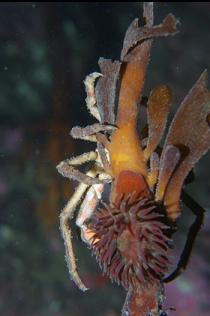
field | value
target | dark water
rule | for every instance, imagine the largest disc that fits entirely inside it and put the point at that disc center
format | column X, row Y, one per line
column 46, row 50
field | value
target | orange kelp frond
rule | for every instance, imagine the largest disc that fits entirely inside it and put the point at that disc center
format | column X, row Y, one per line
column 135, row 34
column 135, row 57
column 157, row 111
column 190, row 135
column 125, row 146
column 130, row 238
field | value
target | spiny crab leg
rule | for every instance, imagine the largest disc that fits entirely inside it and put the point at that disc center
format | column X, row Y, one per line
column 66, row 214
column 67, row 169
column 88, row 206
column 91, row 97
column 89, row 132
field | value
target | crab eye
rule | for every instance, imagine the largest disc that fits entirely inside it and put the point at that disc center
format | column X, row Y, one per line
column 163, row 313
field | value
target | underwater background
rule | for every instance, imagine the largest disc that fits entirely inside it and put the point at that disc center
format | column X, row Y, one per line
column 46, row 50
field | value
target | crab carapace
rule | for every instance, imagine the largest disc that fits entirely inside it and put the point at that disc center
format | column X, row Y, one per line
column 130, row 234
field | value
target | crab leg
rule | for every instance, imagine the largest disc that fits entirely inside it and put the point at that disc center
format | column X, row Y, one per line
column 91, row 97
column 67, row 169
column 67, row 214
column 89, row 204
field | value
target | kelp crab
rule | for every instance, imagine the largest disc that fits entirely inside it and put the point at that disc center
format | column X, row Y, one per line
column 130, row 234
